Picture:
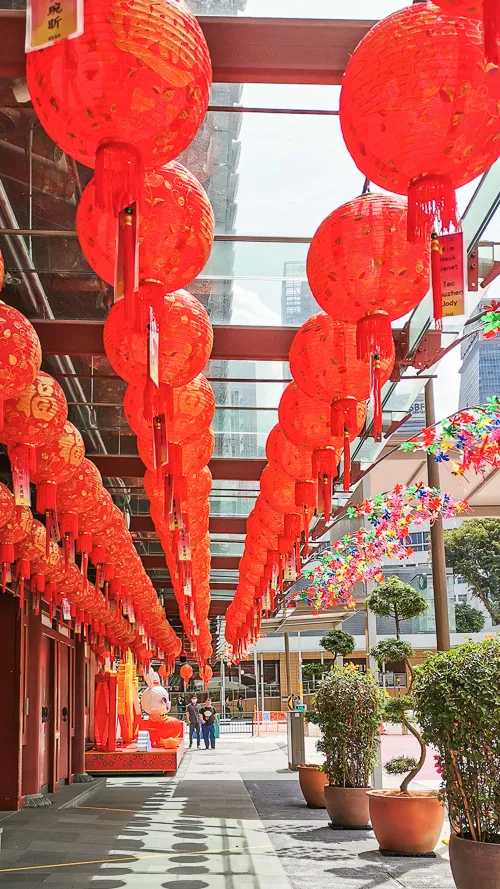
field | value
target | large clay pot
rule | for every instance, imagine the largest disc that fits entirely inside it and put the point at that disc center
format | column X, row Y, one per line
column 312, row 783
column 347, row 806
column 408, row 823
column 475, row 865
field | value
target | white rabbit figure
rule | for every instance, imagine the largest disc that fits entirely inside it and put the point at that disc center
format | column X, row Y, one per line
column 154, row 699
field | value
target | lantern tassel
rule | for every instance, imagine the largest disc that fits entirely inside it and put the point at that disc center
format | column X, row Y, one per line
column 306, row 530
column 437, row 299
column 347, row 460
column 374, row 334
column 119, row 176
column 491, row 18
column 327, row 485
column 431, row 202
column 377, row 399
column 23, row 464
column 126, row 262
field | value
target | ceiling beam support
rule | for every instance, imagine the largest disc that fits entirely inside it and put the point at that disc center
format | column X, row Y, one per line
column 143, row 524
column 224, row 563
column 230, row 343
column 243, row 50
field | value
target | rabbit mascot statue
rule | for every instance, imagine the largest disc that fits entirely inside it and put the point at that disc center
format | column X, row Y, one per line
column 164, row 730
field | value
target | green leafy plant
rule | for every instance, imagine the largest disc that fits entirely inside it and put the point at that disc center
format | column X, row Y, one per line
column 457, row 701
column 348, row 708
column 337, row 642
column 314, row 671
column 468, row 619
column 400, row 765
column 402, row 602
column 473, row 550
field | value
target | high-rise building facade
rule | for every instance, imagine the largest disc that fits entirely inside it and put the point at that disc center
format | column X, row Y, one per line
column 480, row 371
column 297, row 301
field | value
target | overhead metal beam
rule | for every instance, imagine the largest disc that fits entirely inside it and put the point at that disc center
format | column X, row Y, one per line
column 131, row 466
column 143, row 524
column 225, row 563
column 230, row 586
column 243, row 50
column 230, row 343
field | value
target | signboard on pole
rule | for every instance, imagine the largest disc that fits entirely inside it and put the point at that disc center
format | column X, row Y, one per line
column 452, row 274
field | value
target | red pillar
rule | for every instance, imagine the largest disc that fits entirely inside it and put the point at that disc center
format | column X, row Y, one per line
column 78, row 746
column 11, row 702
column 31, row 759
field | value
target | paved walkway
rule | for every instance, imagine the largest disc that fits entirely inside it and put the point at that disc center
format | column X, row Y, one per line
column 233, row 818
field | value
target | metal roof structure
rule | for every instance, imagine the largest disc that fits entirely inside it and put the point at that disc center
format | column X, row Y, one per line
column 275, row 89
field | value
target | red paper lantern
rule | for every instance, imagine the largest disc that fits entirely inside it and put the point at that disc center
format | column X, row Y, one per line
column 286, row 457
column 307, row 421
column 82, row 491
column 419, row 111
column 131, row 91
column 12, row 532
column 37, row 414
column 7, row 505
column 486, row 10
column 189, row 409
column 20, row 352
column 176, row 229
column 185, row 341
column 361, row 269
column 186, row 672
column 56, row 461
column 184, row 459
column 324, row 364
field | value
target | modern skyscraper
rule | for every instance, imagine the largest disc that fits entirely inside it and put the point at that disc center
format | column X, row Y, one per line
column 480, row 371
column 297, row 301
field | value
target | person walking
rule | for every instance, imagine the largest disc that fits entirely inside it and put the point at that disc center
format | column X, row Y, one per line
column 193, row 720
column 240, row 707
column 208, row 719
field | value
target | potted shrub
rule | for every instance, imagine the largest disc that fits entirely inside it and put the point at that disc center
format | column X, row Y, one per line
column 405, row 821
column 347, row 707
column 337, row 642
column 457, row 697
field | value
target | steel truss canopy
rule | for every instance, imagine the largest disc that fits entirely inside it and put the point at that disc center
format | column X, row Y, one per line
column 243, row 50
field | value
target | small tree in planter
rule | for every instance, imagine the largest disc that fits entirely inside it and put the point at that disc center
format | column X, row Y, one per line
column 457, row 698
column 337, row 642
column 393, row 813
column 348, row 707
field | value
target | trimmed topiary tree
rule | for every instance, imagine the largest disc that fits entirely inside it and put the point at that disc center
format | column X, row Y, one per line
column 337, row 642
column 402, row 602
column 348, row 708
column 457, row 702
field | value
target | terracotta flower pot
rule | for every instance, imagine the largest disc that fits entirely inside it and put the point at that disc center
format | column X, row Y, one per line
column 347, row 806
column 312, row 783
column 475, row 865
column 409, row 823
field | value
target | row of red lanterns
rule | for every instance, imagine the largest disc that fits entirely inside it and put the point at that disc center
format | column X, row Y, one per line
column 126, row 98
column 420, row 115
column 44, row 447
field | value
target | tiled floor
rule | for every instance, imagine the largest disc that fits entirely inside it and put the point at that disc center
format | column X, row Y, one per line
column 232, row 819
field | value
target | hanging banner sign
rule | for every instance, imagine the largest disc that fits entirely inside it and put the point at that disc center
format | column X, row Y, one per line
column 49, row 20
column 154, row 348
column 66, row 609
column 289, row 572
column 176, row 515
column 21, row 485
column 452, row 274
column 184, row 546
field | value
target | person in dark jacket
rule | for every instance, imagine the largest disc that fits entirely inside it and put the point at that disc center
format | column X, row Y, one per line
column 208, row 716
column 193, row 720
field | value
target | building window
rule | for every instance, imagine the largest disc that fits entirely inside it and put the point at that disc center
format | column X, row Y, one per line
column 420, row 541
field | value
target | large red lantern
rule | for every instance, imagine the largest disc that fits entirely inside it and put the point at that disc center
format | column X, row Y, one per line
column 12, row 532
column 486, row 10
column 419, row 111
column 185, row 341
column 188, row 409
column 32, row 419
column 324, row 364
column 20, row 353
column 186, row 672
column 286, row 457
column 56, row 461
column 7, row 505
column 130, row 92
column 176, row 229
column 306, row 421
column 361, row 269
column 191, row 456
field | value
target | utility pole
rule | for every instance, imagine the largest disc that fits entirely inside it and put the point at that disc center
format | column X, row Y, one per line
column 288, row 665
column 438, row 560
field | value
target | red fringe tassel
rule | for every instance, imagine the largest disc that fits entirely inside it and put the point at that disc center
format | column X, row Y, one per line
column 374, row 334
column 119, row 176
column 491, row 17
column 431, row 204
column 126, row 269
